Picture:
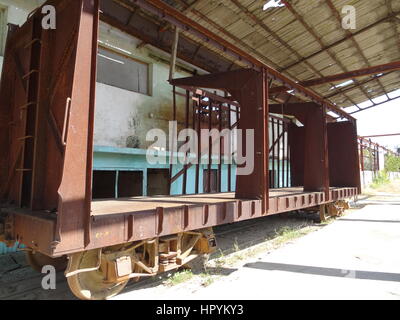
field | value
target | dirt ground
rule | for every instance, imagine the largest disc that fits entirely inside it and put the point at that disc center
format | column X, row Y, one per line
column 237, row 243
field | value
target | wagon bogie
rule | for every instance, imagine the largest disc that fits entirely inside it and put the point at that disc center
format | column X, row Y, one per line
column 102, row 273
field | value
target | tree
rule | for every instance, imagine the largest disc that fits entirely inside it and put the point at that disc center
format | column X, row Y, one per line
column 392, row 163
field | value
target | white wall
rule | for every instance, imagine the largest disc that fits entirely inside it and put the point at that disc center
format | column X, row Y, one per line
column 122, row 117
column 367, row 178
column 381, row 159
column 121, row 114
column 16, row 12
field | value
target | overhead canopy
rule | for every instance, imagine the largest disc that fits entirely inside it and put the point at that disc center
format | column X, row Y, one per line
column 304, row 40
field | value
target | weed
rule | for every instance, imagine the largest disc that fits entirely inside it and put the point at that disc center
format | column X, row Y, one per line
column 179, row 277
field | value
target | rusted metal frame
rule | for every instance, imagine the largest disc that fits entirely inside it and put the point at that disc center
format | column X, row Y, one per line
column 74, row 196
column 230, row 150
column 172, row 143
column 371, row 155
column 381, row 135
column 265, row 108
column 90, row 148
column 35, row 114
column 185, row 166
column 376, row 104
column 275, row 142
column 284, row 156
column 318, row 39
column 377, row 159
column 208, row 215
column 19, row 70
column 279, row 155
column 356, row 45
column 326, row 155
column 210, row 144
column 173, row 16
column 221, row 148
column 283, row 119
column 208, row 94
column 201, row 154
column 11, row 174
column 174, row 54
column 273, row 154
column 288, row 157
column 362, row 159
column 198, row 147
column 30, row 120
column 17, row 73
column 69, row 48
column 336, row 43
column 27, row 93
column 360, row 83
column 310, row 94
column 388, row 67
column 366, row 142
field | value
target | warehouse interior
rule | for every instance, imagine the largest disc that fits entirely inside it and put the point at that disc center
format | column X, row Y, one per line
column 77, row 163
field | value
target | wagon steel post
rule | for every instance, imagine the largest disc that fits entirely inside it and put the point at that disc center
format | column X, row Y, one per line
column 185, row 166
column 210, row 140
column 230, row 149
column 172, row 142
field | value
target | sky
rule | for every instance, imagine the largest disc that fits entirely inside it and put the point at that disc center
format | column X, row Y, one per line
column 383, row 119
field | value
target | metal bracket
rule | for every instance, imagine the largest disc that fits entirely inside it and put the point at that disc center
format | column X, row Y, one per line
column 72, row 270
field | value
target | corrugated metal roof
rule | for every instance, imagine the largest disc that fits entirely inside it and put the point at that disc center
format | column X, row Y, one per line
column 281, row 39
column 303, row 39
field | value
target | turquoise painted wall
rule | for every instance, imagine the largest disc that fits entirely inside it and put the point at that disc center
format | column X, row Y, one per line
column 126, row 159
column 5, row 250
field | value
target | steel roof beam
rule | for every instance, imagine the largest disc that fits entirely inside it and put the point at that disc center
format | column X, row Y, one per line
column 356, row 45
column 164, row 11
column 346, row 75
column 319, row 40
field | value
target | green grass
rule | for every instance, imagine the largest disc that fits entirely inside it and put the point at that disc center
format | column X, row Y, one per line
column 286, row 234
column 380, row 180
column 179, row 277
column 236, row 247
column 282, row 236
column 207, row 279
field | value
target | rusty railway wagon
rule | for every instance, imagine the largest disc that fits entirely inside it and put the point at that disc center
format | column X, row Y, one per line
column 47, row 120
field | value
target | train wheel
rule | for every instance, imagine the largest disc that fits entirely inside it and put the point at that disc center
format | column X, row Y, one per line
column 37, row 261
column 91, row 285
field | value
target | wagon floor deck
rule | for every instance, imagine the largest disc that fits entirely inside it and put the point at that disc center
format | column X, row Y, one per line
column 138, row 204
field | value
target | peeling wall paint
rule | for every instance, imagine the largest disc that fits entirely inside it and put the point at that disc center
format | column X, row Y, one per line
column 123, row 117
